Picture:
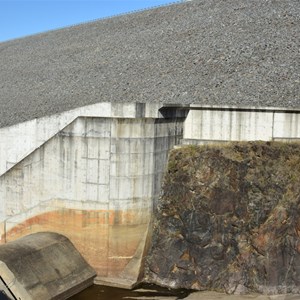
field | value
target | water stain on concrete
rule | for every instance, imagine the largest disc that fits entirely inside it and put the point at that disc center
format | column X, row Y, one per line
column 107, row 245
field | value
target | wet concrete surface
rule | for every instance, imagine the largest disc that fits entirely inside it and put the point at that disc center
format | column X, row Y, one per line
column 98, row 292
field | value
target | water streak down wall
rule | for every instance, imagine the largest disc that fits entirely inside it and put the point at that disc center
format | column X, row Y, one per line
column 207, row 124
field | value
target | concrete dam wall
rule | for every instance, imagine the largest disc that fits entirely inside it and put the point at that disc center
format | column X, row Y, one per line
column 94, row 174
column 95, row 182
column 207, row 124
column 19, row 140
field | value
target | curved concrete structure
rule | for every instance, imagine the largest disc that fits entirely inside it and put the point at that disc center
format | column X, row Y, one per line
column 44, row 266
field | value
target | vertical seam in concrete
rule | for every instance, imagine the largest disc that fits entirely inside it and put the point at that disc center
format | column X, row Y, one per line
column 273, row 117
column 296, row 125
column 5, row 230
column 87, row 157
column 109, row 198
column 99, row 170
column 110, row 137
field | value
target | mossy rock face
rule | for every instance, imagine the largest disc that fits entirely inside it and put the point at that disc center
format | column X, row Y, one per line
column 229, row 219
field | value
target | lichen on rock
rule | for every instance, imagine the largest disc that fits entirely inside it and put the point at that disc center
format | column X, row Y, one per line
column 229, row 219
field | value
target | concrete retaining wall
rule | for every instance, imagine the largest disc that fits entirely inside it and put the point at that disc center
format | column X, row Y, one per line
column 20, row 140
column 43, row 266
column 95, row 182
column 223, row 124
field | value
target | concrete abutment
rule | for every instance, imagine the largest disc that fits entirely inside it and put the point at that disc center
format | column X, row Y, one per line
column 95, row 182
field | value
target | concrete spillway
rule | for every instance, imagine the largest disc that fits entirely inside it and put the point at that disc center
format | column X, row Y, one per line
column 43, row 266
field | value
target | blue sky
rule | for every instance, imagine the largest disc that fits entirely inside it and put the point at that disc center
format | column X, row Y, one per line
column 20, row 18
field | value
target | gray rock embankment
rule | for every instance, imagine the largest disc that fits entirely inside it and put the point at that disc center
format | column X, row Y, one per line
column 229, row 220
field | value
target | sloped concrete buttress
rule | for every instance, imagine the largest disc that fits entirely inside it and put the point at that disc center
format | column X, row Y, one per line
column 43, row 265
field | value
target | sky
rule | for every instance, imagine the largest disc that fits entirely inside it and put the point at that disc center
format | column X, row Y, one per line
column 19, row 18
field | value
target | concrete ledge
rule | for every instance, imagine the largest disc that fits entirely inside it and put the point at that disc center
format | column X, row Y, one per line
column 121, row 283
column 44, row 266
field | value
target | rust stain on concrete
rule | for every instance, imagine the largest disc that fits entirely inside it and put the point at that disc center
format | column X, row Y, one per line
column 107, row 239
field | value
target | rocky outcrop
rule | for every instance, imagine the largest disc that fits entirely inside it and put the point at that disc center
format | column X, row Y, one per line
column 229, row 219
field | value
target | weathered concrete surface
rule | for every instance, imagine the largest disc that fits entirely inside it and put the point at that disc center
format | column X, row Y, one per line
column 19, row 140
column 6, row 278
column 44, row 266
column 107, row 246
column 211, row 124
column 96, row 182
column 228, row 219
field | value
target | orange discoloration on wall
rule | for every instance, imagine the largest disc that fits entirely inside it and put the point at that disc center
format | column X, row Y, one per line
column 107, row 239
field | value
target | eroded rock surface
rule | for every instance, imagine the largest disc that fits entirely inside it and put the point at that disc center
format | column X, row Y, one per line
column 229, row 219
